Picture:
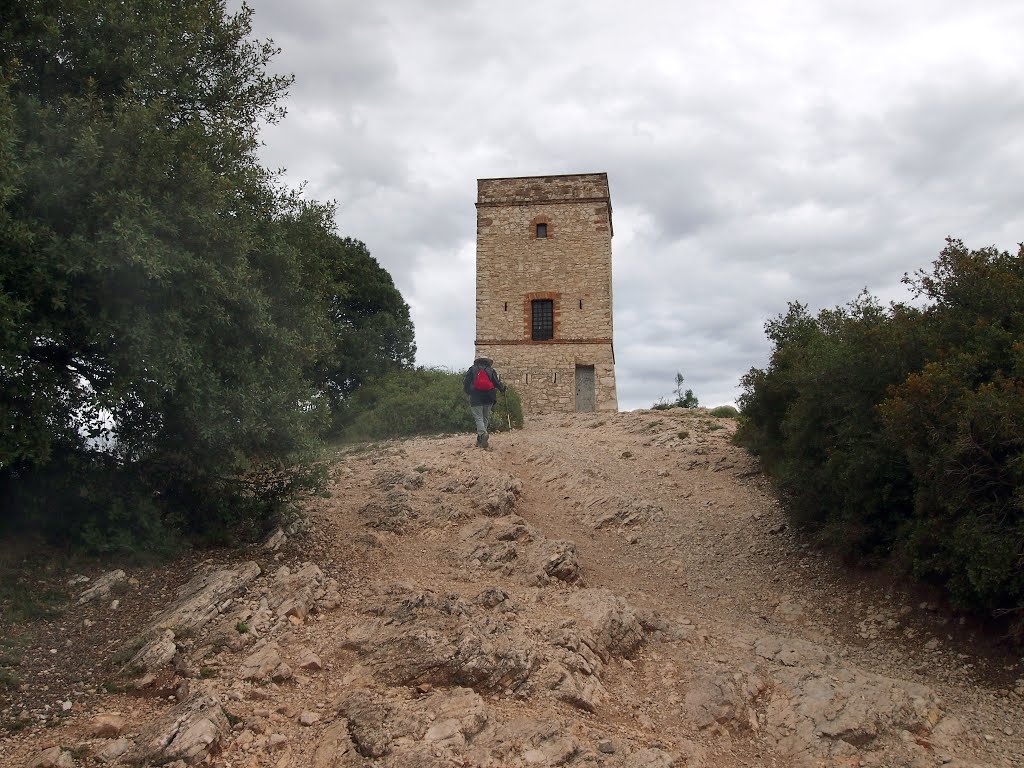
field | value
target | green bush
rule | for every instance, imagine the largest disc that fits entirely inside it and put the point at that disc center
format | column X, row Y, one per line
column 422, row 401
column 898, row 432
column 725, row 412
column 171, row 317
column 684, row 398
column 508, row 410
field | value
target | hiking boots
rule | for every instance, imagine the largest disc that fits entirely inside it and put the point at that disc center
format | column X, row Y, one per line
column 483, row 441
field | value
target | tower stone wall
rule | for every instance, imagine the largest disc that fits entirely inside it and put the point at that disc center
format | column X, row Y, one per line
column 547, row 238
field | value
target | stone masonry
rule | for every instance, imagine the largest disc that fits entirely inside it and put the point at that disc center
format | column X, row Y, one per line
column 547, row 239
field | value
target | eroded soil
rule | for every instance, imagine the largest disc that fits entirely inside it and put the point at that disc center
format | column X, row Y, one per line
column 596, row 590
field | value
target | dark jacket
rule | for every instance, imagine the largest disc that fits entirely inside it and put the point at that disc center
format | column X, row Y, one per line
column 482, row 397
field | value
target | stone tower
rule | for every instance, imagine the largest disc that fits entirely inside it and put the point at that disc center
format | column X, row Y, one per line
column 544, row 289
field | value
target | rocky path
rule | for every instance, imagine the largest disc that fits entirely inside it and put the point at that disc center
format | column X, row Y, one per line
column 597, row 590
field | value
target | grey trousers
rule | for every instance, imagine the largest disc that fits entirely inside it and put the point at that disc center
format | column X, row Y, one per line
column 482, row 415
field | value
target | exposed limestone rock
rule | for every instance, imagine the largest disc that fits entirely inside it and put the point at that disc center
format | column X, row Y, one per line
column 499, row 497
column 265, row 664
column 225, row 633
column 449, row 655
column 496, row 542
column 107, row 725
column 450, row 717
column 54, row 757
column 102, row 587
column 432, row 730
column 388, row 478
column 275, row 541
column 791, row 652
column 309, row 661
column 573, row 686
column 614, row 624
column 948, row 732
column 559, row 560
column 189, row 732
column 331, row 598
column 154, row 655
column 296, row 593
column 711, row 698
column 336, row 749
column 427, row 639
column 494, row 598
column 506, row 542
column 367, row 712
column 112, row 750
column 820, row 709
column 495, row 556
column 199, row 601
column 393, row 513
column 573, row 674
column 498, row 505
column 539, row 743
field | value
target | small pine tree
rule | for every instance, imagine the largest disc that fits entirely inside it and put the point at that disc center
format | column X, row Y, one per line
column 684, row 398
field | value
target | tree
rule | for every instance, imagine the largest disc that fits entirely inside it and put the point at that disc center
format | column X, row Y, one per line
column 160, row 310
column 684, row 398
column 372, row 333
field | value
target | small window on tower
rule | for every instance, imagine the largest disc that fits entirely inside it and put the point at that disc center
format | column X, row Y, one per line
column 543, row 326
column 542, row 231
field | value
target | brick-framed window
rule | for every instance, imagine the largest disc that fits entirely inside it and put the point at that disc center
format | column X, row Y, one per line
column 542, row 319
column 541, row 316
column 541, row 228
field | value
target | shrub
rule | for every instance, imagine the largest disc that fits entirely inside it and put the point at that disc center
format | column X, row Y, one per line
column 509, row 409
column 899, row 431
column 684, row 398
column 725, row 412
column 811, row 417
column 417, row 402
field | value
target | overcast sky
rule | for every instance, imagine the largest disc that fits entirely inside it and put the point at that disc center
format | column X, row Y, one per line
column 757, row 152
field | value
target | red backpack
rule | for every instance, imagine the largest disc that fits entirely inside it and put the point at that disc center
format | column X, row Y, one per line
column 482, row 382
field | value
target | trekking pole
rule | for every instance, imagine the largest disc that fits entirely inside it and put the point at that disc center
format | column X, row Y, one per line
column 508, row 413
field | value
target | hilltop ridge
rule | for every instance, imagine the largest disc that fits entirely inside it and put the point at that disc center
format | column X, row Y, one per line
column 597, row 590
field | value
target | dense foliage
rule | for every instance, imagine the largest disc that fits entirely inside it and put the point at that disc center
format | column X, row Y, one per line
column 899, row 431
column 173, row 323
column 371, row 330
column 420, row 402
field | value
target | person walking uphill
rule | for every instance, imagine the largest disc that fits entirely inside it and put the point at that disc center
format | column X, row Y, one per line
column 480, row 384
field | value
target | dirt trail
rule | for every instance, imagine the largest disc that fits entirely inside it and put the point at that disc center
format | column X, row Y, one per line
column 596, row 590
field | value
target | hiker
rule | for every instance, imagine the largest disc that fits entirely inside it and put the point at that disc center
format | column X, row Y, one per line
column 480, row 384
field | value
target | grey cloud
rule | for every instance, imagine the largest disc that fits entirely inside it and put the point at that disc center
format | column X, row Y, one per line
column 754, row 157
